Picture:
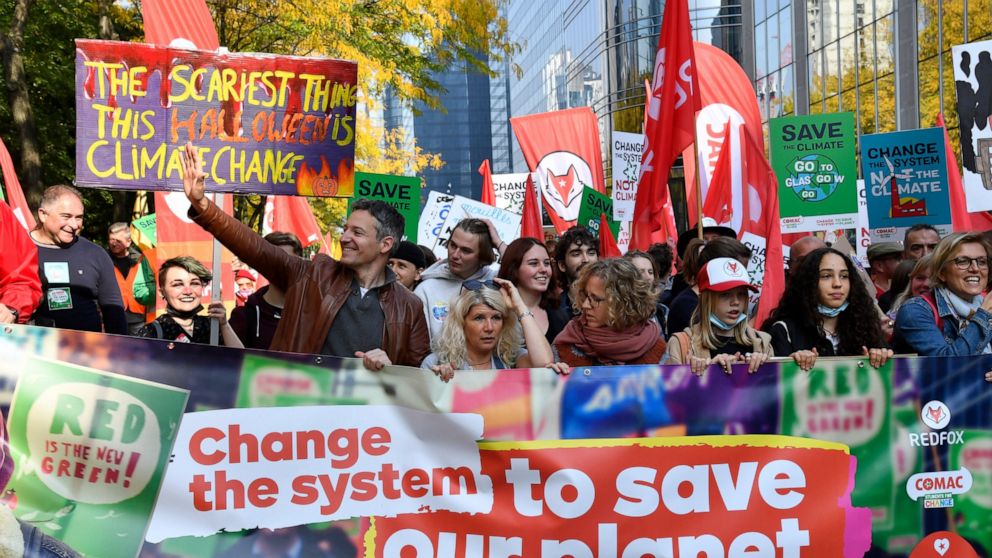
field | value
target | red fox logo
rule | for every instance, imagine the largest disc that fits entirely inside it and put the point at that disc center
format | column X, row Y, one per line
column 935, row 413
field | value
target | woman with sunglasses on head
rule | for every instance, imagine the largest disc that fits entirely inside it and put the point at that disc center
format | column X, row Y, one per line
column 720, row 332
column 955, row 318
column 483, row 332
column 826, row 311
column 615, row 326
column 527, row 264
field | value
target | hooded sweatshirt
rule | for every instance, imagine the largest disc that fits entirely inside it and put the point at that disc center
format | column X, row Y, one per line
column 438, row 290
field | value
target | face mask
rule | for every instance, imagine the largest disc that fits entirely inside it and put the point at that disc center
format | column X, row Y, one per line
column 245, row 293
column 720, row 324
column 831, row 312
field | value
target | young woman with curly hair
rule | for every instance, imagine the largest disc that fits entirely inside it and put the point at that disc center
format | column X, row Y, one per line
column 720, row 332
column 615, row 326
column 484, row 330
column 826, row 310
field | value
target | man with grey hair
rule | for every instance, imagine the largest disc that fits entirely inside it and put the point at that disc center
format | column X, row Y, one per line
column 135, row 277
column 352, row 307
column 77, row 277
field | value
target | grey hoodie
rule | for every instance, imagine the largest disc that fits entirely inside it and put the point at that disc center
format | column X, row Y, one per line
column 438, row 290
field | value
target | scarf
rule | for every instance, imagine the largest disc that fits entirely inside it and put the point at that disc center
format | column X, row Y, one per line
column 608, row 346
column 963, row 309
column 182, row 314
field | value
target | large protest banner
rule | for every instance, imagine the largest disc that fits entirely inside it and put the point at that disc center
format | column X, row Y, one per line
column 265, row 124
column 906, row 182
column 813, row 157
column 840, row 400
column 401, row 192
column 970, row 81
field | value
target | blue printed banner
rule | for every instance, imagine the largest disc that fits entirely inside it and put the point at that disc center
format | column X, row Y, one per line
column 906, row 181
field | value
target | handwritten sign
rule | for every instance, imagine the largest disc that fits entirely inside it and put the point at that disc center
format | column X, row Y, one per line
column 265, row 124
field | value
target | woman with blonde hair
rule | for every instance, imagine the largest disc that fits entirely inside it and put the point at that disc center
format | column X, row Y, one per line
column 615, row 326
column 483, row 332
column 720, row 332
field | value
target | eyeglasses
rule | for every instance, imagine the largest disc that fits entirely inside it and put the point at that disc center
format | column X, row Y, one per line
column 965, row 262
column 594, row 301
column 476, row 285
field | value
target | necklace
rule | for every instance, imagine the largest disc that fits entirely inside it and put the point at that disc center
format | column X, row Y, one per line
column 487, row 361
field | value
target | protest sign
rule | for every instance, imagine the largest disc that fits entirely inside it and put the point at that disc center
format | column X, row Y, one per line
column 146, row 227
column 510, row 190
column 594, row 204
column 627, row 150
column 432, row 221
column 814, row 159
column 778, row 495
column 263, row 123
column 401, row 192
column 507, row 223
column 970, row 73
column 863, row 233
column 89, row 445
column 906, row 176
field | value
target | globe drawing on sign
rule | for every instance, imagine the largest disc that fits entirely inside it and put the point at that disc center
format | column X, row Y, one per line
column 813, row 178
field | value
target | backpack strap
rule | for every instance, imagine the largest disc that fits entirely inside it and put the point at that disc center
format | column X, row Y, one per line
column 159, row 334
column 929, row 298
column 684, row 344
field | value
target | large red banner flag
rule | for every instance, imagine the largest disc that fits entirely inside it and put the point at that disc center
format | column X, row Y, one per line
column 530, row 222
column 291, row 214
column 168, row 20
column 18, row 204
column 563, row 148
column 671, row 115
column 719, row 203
column 961, row 220
column 761, row 219
column 488, row 189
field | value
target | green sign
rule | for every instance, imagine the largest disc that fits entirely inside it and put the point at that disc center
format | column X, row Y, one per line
column 976, row 456
column 90, row 445
column 267, row 382
column 146, row 226
column 840, row 401
column 401, row 192
column 594, row 204
column 814, row 159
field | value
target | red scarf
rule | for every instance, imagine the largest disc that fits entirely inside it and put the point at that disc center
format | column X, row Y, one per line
column 607, row 345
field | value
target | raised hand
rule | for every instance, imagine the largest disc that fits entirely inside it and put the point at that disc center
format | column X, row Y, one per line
column 194, row 179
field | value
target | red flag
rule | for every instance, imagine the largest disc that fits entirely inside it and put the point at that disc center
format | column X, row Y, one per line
column 15, row 196
column 166, row 20
column 727, row 96
column 563, row 148
column 488, row 190
column 719, row 199
column 961, row 220
column 672, row 107
column 530, row 224
column 291, row 214
column 607, row 244
column 761, row 218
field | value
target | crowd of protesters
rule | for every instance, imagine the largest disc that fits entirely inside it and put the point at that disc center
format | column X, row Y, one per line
column 494, row 305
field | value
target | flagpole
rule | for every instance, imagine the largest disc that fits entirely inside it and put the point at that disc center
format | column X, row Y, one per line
column 696, row 173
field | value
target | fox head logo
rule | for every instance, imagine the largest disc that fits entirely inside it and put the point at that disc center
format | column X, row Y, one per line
column 563, row 175
column 935, row 413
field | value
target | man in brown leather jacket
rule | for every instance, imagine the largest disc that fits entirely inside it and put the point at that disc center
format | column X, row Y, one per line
column 348, row 308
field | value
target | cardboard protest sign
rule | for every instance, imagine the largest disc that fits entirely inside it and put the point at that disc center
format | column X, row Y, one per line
column 263, row 123
column 814, row 159
column 507, row 223
column 712, row 495
column 432, row 220
column 90, row 445
column 970, row 79
column 510, row 190
column 627, row 150
column 593, row 204
column 906, row 182
column 282, row 464
column 401, row 192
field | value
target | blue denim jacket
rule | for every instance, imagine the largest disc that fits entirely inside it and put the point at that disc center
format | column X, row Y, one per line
column 916, row 330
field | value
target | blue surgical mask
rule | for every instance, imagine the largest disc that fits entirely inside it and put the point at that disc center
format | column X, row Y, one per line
column 831, row 312
column 720, row 324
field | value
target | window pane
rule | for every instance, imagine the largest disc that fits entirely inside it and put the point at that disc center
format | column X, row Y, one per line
column 832, row 68
column 885, row 47
column 759, row 10
column 785, row 35
column 830, row 16
column 979, row 19
column 788, row 90
column 816, row 108
column 949, row 102
column 814, row 65
column 926, row 23
column 866, row 53
column 848, row 59
column 773, row 45
column 849, row 100
column 952, row 20
column 831, row 105
column 887, row 103
column 761, row 49
column 929, row 92
column 814, row 20
column 866, row 116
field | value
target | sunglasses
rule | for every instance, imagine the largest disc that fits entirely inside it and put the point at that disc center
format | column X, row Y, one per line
column 476, row 285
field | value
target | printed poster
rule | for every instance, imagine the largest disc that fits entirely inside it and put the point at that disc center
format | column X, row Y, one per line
column 401, row 192
column 510, row 190
column 972, row 74
column 432, row 220
column 266, row 124
column 593, row 205
column 627, row 149
column 906, row 182
column 814, row 159
column 507, row 223
column 90, row 449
